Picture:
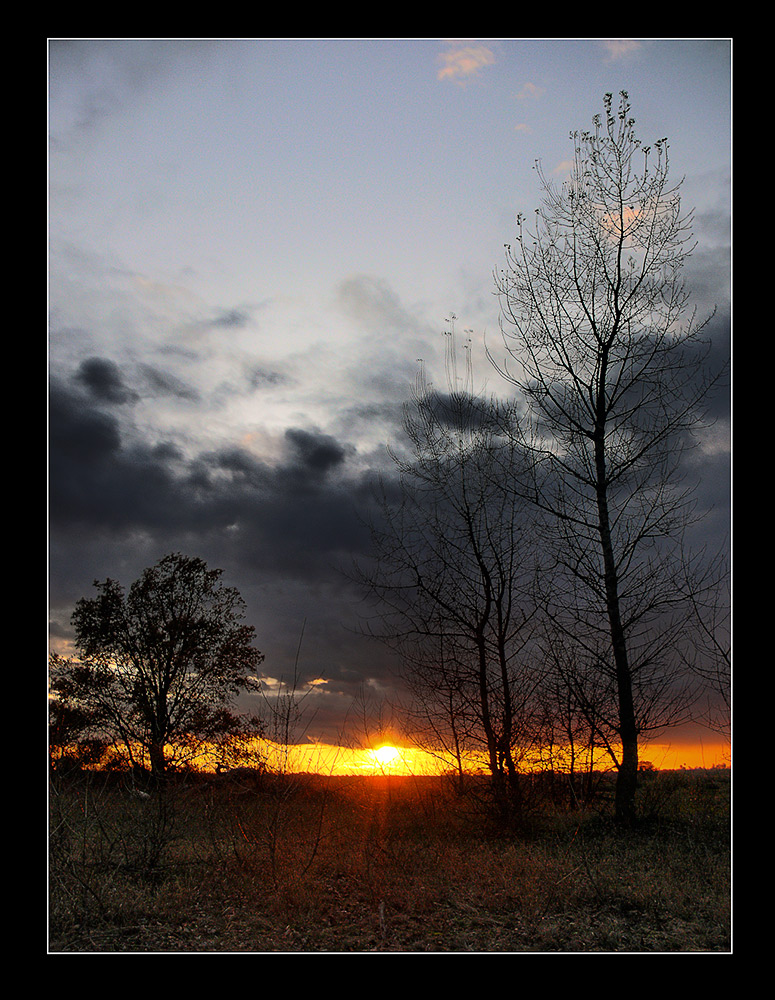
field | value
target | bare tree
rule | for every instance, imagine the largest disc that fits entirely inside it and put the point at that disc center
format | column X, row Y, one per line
column 709, row 653
column 451, row 574
column 611, row 365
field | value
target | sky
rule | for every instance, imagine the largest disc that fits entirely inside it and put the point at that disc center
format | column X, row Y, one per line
column 251, row 245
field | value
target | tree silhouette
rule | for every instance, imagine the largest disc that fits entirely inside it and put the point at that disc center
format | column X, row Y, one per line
column 451, row 574
column 610, row 362
column 162, row 664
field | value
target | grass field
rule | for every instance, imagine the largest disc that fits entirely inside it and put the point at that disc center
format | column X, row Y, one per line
column 302, row 863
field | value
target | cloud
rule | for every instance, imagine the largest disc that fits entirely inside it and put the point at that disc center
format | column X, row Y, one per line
column 620, row 48
column 372, row 303
column 531, row 91
column 78, row 433
column 264, row 378
column 319, row 453
column 97, row 479
column 289, row 515
column 93, row 80
column 528, row 91
column 163, row 383
column 231, row 319
column 564, row 167
column 103, row 379
column 283, row 530
column 460, row 63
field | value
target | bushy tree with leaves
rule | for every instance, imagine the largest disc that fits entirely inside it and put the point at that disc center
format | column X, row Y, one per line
column 159, row 666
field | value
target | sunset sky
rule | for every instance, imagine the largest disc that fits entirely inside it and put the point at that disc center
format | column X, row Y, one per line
column 251, row 244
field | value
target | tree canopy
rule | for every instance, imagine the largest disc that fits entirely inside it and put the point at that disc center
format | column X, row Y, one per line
column 159, row 666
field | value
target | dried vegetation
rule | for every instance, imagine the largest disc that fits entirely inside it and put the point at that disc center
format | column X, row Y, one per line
column 248, row 863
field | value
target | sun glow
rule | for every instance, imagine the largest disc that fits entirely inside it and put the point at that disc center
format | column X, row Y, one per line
column 385, row 756
column 384, row 760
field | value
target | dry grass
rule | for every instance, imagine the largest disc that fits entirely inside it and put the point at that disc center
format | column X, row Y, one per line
column 305, row 864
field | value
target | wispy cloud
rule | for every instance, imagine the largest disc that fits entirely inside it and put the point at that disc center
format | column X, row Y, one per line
column 564, row 167
column 531, row 91
column 619, row 48
column 463, row 62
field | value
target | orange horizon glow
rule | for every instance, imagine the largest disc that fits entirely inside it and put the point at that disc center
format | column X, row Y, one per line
column 381, row 759
column 673, row 757
column 323, row 758
column 391, row 759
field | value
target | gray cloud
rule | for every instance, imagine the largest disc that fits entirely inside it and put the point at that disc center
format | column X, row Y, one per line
column 163, row 383
column 109, row 73
column 319, row 453
column 104, row 381
column 261, row 378
column 374, row 304
column 290, row 519
column 284, row 533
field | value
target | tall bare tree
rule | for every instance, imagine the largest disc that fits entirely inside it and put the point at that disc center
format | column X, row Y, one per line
column 610, row 361
column 451, row 574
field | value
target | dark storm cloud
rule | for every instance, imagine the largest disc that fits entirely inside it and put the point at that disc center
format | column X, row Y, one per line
column 94, row 478
column 718, row 333
column 479, row 410
column 290, row 517
column 318, row 453
column 103, row 379
column 284, row 533
column 295, row 520
column 79, row 433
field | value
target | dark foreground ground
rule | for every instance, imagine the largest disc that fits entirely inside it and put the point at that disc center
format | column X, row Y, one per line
column 309, row 864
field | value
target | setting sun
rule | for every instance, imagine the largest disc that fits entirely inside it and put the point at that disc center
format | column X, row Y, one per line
column 385, row 755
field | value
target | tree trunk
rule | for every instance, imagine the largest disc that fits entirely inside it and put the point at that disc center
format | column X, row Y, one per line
column 627, row 776
column 484, row 704
column 158, row 760
column 627, row 781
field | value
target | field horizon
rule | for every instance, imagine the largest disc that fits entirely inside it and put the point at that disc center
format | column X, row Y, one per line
column 398, row 757
column 252, row 862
